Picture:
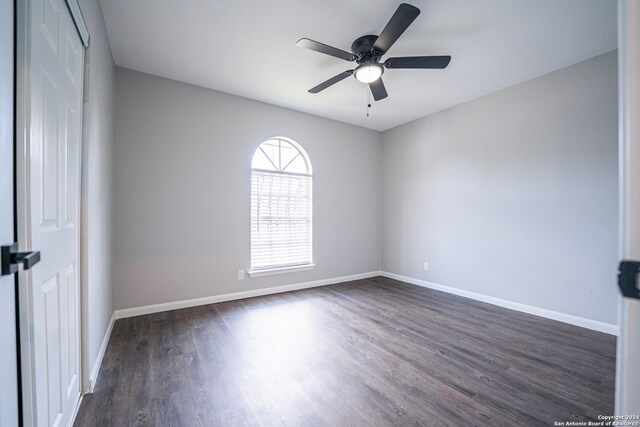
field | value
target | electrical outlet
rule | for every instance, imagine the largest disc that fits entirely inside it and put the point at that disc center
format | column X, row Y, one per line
column 240, row 274
column 426, row 266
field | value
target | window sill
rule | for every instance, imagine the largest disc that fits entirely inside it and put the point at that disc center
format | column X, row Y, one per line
column 281, row 270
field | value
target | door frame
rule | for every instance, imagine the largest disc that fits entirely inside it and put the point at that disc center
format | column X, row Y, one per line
column 628, row 351
column 21, row 185
column 22, row 188
column 10, row 393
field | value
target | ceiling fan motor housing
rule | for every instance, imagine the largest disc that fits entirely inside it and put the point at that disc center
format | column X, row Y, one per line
column 362, row 48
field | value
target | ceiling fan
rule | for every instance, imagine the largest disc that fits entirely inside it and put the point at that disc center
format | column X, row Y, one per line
column 367, row 51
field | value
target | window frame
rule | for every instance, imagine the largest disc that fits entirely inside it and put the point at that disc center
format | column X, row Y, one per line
column 280, row 268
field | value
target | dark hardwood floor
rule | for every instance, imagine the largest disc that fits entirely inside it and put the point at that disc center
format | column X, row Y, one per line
column 372, row 352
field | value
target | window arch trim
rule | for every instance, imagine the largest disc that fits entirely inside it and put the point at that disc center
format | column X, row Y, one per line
column 301, row 152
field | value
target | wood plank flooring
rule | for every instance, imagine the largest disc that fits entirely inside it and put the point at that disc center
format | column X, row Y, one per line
column 374, row 352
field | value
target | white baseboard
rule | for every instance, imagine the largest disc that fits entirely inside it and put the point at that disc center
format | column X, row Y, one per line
column 75, row 411
column 156, row 308
column 536, row 311
column 93, row 377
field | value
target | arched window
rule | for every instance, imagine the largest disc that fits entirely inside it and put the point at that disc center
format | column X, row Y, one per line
column 280, row 208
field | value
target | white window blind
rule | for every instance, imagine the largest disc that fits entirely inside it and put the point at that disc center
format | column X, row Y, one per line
column 281, row 226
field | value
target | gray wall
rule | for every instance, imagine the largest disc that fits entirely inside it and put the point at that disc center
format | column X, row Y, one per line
column 513, row 195
column 182, row 181
column 97, row 189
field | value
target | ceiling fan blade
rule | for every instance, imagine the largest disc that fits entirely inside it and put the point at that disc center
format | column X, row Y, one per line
column 326, row 49
column 333, row 80
column 418, row 62
column 399, row 22
column 378, row 90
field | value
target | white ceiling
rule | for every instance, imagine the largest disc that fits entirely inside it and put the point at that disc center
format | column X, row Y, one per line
column 248, row 48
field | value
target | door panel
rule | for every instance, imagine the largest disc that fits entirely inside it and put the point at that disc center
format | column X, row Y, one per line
column 49, row 26
column 49, row 147
column 51, row 166
column 71, row 159
column 68, row 301
column 52, row 350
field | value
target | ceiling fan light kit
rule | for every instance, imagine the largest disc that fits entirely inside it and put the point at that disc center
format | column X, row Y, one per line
column 368, row 73
column 367, row 51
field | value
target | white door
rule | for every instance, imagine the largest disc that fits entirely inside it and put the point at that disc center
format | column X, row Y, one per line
column 50, row 73
column 628, row 357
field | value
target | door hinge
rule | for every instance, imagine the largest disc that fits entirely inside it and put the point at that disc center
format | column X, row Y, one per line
column 627, row 278
column 10, row 258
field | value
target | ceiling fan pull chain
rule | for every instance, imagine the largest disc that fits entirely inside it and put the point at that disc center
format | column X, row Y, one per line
column 368, row 100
